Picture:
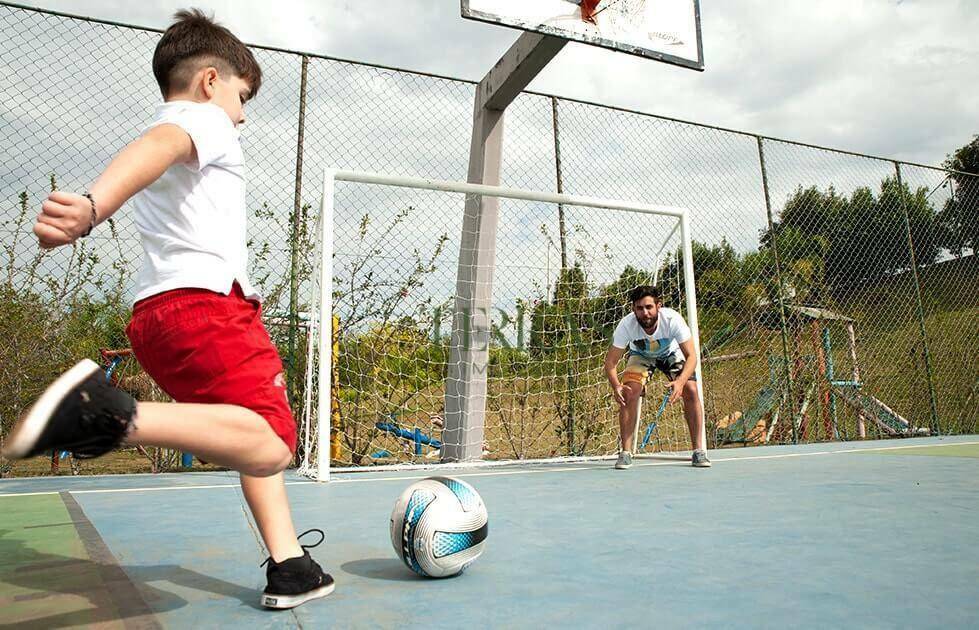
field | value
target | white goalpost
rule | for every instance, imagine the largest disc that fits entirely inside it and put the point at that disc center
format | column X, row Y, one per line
column 545, row 396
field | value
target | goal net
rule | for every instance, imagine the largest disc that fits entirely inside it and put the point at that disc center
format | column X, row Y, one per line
column 390, row 340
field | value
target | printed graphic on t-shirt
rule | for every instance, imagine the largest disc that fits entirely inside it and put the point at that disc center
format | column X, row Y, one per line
column 664, row 342
column 644, row 348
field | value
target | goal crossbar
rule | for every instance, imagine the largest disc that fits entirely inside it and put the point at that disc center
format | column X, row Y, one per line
column 402, row 181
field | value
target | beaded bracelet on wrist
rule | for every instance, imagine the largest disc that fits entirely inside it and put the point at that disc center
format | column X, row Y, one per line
column 95, row 216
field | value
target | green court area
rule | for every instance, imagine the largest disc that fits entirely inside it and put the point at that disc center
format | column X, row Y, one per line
column 54, row 569
column 948, row 450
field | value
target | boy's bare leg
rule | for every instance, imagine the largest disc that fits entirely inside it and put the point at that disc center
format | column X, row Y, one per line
column 226, row 435
column 255, row 445
column 629, row 415
column 269, row 503
column 693, row 411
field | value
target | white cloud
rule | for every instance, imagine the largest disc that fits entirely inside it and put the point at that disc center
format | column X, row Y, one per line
column 886, row 77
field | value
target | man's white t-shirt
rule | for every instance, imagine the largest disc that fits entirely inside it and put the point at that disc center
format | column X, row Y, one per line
column 665, row 341
column 192, row 220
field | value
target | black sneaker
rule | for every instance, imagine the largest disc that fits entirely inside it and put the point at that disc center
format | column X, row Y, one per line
column 295, row 581
column 81, row 412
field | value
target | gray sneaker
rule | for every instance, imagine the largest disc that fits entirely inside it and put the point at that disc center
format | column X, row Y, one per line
column 624, row 461
column 699, row 459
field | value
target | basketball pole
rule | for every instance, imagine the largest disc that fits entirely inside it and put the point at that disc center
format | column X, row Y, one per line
column 465, row 391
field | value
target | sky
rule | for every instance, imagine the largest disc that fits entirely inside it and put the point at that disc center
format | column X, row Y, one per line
column 885, row 78
column 894, row 78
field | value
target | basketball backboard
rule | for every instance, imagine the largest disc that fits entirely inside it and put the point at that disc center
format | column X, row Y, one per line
column 665, row 30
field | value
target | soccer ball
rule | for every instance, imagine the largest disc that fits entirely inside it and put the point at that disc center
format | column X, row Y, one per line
column 439, row 526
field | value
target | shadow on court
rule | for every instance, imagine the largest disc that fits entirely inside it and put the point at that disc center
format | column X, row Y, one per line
column 114, row 593
column 386, row 569
column 381, row 569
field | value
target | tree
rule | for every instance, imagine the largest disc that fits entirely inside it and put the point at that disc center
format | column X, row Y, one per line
column 828, row 243
column 960, row 216
column 922, row 221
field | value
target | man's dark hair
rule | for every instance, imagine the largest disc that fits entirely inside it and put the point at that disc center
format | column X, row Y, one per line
column 644, row 291
column 195, row 41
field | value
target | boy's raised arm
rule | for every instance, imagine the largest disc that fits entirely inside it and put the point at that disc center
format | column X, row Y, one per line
column 65, row 216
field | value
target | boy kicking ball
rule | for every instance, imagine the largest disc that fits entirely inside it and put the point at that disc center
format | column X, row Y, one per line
column 196, row 327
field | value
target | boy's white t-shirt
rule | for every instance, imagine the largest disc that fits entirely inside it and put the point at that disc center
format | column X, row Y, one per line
column 665, row 341
column 192, row 219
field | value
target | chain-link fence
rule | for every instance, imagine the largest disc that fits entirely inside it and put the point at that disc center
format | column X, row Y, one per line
column 838, row 293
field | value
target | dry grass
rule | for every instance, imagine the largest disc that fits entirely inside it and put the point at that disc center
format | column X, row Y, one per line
column 128, row 461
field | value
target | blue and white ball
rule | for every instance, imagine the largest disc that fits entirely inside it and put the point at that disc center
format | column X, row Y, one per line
column 439, row 526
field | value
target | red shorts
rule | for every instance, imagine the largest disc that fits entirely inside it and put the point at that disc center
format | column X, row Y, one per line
column 204, row 347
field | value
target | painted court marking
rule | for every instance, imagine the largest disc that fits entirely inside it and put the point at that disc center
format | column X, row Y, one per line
column 133, row 610
column 495, row 473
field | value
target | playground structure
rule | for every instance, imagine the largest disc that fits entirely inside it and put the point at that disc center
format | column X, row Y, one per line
column 816, row 376
column 413, row 437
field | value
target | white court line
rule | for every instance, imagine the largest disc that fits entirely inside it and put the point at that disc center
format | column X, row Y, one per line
column 146, row 489
column 223, row 485
column 505, row 472
column 494, row 473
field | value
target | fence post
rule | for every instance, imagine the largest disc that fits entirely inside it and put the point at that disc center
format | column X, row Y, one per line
column 560, row 185
column 294, row 233
column 781, row 291
column 563, row 237
column 935, row 426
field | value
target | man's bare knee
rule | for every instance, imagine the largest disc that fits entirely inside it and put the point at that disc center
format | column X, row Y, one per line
column 691, row 400
column 690, row 390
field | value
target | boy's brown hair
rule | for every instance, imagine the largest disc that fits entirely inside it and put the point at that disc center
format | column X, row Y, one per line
column 195, row 41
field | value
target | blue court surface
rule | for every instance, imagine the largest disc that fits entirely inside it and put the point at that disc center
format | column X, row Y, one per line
column 869, row 534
